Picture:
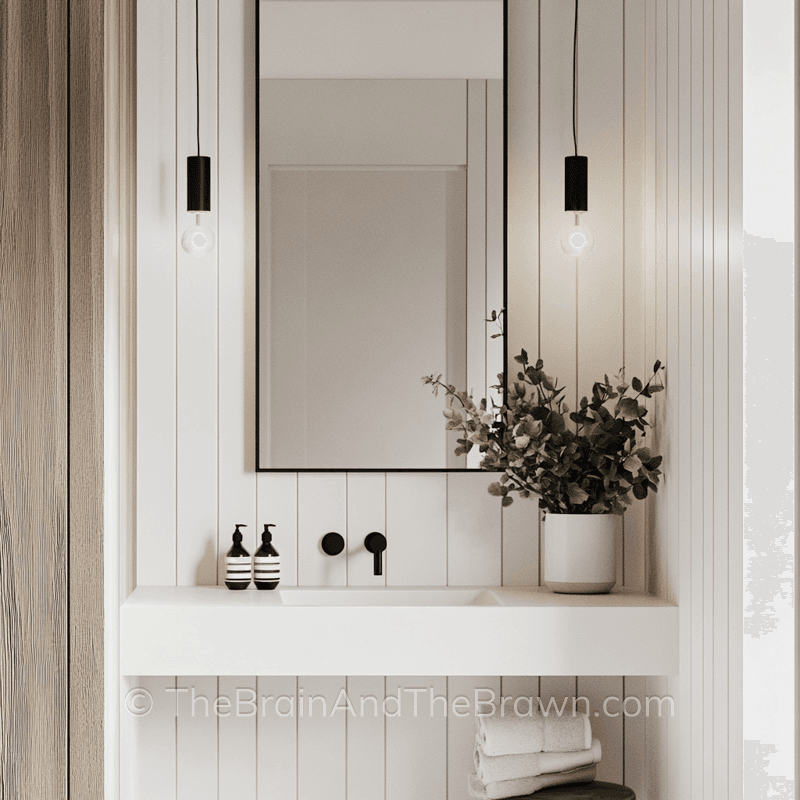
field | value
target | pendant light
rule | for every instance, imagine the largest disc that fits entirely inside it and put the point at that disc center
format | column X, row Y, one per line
column 577, row 238
column 198, row 240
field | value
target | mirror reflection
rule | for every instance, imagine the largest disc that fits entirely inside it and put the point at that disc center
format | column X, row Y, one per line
column 380, row 227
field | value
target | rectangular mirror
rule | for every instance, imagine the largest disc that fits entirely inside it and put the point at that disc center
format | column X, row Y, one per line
column 380, row 227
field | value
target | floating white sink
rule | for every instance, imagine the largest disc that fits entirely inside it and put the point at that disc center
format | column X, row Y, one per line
column 415, row 630
column 388, row 597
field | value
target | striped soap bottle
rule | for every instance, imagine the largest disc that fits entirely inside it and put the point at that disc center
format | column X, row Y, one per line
column 238, row 565
column 267, row 564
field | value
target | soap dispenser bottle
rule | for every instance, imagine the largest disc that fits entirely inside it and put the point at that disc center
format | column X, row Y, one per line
column 267, row 565
column 238, row 565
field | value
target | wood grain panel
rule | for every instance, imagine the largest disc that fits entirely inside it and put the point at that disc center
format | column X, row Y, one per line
column 86, row 199
column 34, row 87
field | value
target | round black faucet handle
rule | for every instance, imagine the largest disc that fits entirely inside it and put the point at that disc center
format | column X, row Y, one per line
column 375, row 542
column 332, row 543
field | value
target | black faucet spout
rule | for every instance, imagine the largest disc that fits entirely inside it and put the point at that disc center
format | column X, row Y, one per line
column 376, row 543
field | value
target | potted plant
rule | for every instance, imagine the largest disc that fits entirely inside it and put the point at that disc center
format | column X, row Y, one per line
column 583, row 466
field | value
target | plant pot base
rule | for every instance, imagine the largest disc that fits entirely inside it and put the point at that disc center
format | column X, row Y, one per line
column 568, row 587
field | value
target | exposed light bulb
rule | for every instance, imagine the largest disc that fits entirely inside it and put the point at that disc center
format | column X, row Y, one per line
column 197, row 240
column 577, row 239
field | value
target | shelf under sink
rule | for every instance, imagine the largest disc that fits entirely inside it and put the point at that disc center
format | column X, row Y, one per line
column 209, row 630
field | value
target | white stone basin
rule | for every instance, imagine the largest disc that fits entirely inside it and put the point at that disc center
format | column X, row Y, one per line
column 414, row 630
column 388, row 597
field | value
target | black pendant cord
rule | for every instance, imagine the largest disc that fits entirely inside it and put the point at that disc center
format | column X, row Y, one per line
column 574, row 79
column 197, row 62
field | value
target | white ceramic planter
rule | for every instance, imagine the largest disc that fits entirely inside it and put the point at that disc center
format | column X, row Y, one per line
column 579, row 553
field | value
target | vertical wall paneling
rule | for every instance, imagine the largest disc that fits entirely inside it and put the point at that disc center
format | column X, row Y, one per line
column 196, row 738
column 276, row 735
column 705, row 345
column 523, row 180
column 416, row 746
column 721, row 418
column 600, row 281
column 633, row 251
column 558, row 272
column 196, row 324
column 473, row 530
column 633, row 145
column 601, row 274
column 461, row 728
column 692, row 605
column 416, row 530
column 236, row 303
column 151, row 761
column 557, row 693
column 494, row 233
column 607, row 722
column 277, row 504
column 366, row 745
column 366, row 512
column 520, row 558
column 476, row 244
column 735, row 393
column 321, row 739
column 649, row 247
column 237, row 753
column 156, row 295
column 321, row 508
column 635, row 735
column 660, row 121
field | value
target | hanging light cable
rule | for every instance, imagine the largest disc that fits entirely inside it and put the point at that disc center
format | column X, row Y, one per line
column 198, row 240
column 577, row 239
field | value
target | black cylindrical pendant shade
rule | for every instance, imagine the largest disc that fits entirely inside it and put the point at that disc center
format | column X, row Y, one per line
column 576, row 183
column 198, row 184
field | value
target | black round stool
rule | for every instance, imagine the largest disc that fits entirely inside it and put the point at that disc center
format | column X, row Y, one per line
column 596, row 790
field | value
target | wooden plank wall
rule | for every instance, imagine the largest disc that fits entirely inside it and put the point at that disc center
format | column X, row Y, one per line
column 620, row 306
column 51, row 414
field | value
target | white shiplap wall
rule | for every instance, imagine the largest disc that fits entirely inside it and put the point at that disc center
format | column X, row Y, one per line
column 654, row 93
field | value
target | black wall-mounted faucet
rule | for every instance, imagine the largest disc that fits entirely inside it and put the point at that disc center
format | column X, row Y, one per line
column 376, row 543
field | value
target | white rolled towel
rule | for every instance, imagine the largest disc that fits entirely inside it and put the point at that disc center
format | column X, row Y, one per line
column 490, row 769
column 498, row 790
column 515, row 734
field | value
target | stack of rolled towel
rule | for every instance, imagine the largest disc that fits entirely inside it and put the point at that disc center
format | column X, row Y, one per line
column 519, row 755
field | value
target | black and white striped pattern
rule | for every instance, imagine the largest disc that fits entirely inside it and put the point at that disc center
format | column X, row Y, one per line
column 239, row 569
column 267, row 568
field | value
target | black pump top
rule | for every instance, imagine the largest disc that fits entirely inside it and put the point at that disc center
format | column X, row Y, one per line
column 237, row 534
column 266, row 536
